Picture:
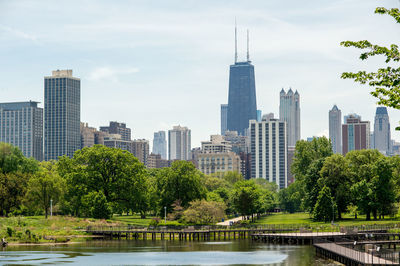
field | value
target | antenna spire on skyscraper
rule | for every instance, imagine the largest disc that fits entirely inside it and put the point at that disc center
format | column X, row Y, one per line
column 236, row 56
column 248, row 54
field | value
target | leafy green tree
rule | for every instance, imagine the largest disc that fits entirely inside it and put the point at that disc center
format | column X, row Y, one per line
column 246, row 197
column 362, row 171
column 386, row 80
column 204, row 212
column 182, row 181
column 311, row 185
column 12, row 160
column 45, row 186
column 12, row 191
column 324, row 209
column 290, row 198
column 384, row 191
column 335, row 175
column 306, row 152
column 95, row 205
column 114, row 172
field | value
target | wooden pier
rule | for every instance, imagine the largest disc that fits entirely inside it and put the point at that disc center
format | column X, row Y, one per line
column 349, row 256
column 171, row 234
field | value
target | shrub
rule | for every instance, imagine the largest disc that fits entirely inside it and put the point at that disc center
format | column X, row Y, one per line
column 154, row 222
column 204, row 212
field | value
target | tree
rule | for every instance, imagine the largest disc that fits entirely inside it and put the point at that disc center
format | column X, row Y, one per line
column 324, row 209
column 290, row 198
column 12, row 191
column 306, row 152
column 95, row 205
column 311, row 185
column 361, row 172
column 246, row 197
column 45, row 186
column 335, row 175
column 12, row 160
column 182, row 181
column 114, row 172
column 385, row 81
column 204, row 212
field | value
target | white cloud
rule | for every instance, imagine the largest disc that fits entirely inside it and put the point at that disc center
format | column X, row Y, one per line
column 110, row 73
column 18, row 33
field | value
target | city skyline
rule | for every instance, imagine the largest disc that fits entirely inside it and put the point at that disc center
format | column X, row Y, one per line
column 105, row 79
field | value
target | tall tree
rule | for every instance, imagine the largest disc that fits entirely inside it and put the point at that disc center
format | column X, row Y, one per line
column 335, row 175
column 324, row 210
column 114, row 172
column 386, row 80
column 183, row 182
column 247, row 197
column 44, row 187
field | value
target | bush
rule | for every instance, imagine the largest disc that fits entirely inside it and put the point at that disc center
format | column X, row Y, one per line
column 204, row 212
column 10, row 231
column 154, row 222
column 95, row 205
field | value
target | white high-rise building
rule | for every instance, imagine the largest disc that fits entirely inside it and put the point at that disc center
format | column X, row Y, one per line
column 335, row 129
column 160, row 144
column 268, row 149
column 179, row 143
column 289, row 111
column 382, row 139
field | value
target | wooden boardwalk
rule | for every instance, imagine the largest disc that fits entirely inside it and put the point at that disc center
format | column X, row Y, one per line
column 350, row 256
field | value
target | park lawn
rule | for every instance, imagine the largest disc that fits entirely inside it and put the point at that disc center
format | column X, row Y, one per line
column 31, row 229
column 305, row 219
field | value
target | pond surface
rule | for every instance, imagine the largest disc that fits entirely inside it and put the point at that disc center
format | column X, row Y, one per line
column 131, row 252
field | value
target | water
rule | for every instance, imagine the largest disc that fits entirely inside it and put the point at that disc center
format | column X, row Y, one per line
column 131, row 252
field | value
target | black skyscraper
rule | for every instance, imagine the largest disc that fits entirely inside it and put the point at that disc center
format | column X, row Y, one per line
column 242, row 104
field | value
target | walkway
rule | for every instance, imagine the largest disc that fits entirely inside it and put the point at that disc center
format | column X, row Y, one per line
column 348, row 255
column 227, row 222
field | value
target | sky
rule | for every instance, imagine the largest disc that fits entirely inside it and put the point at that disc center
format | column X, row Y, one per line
column 158, row 63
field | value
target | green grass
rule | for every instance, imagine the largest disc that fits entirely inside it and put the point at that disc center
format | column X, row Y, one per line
column 33, row 229
column 304, row 218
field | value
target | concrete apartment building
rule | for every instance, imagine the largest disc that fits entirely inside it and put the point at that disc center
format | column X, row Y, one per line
column 21, row 124
column 355, row 134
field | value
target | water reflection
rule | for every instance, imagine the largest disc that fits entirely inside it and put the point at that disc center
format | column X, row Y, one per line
column 131, row 252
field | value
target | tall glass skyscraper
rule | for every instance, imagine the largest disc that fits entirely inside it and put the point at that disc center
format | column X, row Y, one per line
column 382, row 139
column 160, row 144
column 224, row 118
column 62, row 114
column 242, row 103
column 289, row 111
column 21, row 124
column 335, row 129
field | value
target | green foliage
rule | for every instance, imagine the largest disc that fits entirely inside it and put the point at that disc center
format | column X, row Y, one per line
column 325, row 207
column 290, row 198
column 114, row 172
column 182, row 181
column 95, row 205
column 246, row 197
column 204, row 212
column 386, row 80
column 12, row 191
column 335, row 175
column 44, row 186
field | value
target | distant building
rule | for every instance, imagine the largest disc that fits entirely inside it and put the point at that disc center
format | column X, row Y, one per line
column 216, row 156
column 382, row 138
column 289, row 111
column 179, row 143
column 224, row 118
column 290, row 158
column 352, row 116
column 117, row 128
column 62, row 114
column 259, row 115
column 242, row 102
column 355, row 134
column 21, row 124
column 90, row 136
column 155, row 161
column 116, row 141
column 267, row 117
column 268, row 148
column 160, row 144
column 335, row 129
column 238, row 143
column 140, row 149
